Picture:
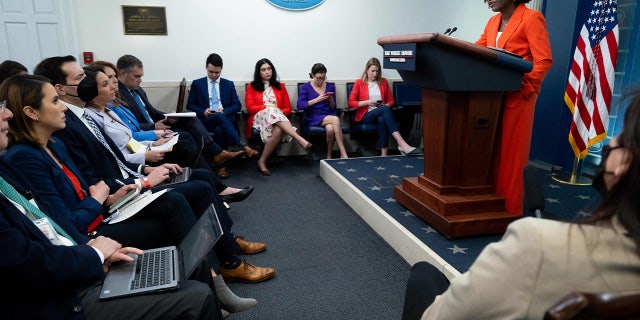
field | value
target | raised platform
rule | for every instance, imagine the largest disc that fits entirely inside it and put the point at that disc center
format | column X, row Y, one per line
column 367, row 186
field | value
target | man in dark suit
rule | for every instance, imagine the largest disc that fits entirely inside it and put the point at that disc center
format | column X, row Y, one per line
column 98, row 161
column 216, row 103
column 150, row 118
column 63, row 281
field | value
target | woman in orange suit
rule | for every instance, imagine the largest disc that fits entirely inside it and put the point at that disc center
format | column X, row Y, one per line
column 522, row 31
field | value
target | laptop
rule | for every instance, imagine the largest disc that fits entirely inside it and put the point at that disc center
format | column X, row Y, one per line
column 163, row 269
column 186, row 173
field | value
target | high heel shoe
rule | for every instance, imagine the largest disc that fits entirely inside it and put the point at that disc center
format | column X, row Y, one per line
column 264, row 172
column 415, row 152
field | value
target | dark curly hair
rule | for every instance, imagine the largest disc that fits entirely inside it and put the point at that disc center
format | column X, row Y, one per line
column 623, row 198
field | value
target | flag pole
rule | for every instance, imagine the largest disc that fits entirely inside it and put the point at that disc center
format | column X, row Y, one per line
column 573, row 178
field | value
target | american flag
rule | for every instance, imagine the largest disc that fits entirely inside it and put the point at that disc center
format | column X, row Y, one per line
column 590, row 84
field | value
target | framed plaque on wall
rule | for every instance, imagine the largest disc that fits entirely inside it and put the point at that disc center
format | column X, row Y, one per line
column 145, row 20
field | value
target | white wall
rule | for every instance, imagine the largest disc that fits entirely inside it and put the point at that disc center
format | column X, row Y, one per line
column 341, row 34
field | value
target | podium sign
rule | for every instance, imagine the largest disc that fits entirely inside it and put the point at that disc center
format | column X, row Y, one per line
column 462, row 89
column 400, row 56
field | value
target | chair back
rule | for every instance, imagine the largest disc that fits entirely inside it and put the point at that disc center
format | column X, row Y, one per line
column 583, row 305
column 181, row 93
column 407, row 95
column 533, row 192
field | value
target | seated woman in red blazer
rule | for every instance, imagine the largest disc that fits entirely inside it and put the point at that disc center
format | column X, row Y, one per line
column 372, row 99
column 268, row 105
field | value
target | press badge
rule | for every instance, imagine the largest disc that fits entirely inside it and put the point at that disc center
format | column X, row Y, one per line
column 45, row 226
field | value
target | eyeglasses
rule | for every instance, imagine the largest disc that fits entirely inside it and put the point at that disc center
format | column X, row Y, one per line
column 3, row 106
column 606, row 151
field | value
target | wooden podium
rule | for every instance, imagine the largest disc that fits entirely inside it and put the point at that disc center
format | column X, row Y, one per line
column 462, row 88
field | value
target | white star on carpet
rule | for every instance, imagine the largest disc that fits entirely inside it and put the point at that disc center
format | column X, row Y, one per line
column 341, row 162
column 408, row 166
column 457, row 249
column 395, row 159
column 368, row 161
column 351, row 170
column 552, row 200
column 390, row 200
column 393, row 176
column 381, row 168
column 363, row 179
column 375, row 189
column 429, row 230
column 583, row 197
column 583, row 213
column 553, row 186
column 406, row 213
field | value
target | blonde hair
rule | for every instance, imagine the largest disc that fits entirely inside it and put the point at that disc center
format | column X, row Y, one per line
column 372, row 62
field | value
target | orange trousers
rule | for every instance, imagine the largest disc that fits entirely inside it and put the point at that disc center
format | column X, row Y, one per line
column 514, row 148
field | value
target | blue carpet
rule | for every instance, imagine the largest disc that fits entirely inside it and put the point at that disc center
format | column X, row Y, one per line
column 377, row 176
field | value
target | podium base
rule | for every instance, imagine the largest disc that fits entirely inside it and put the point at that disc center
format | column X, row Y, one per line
column 422, row 201
column 572, row 179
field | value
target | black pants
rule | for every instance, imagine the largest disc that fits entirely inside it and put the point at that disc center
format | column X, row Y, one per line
column 424, row 284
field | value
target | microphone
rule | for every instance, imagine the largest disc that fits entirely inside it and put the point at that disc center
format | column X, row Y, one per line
column 447, row 31
column 533, row 192
column 453, row 30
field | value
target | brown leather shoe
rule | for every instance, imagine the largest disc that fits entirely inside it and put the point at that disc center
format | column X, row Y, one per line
column 247, row 273
column 247, row 247
column 223, row 173
column 251, row 153
column 225, row 155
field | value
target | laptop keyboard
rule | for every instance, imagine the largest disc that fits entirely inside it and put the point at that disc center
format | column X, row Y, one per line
column 152, row 269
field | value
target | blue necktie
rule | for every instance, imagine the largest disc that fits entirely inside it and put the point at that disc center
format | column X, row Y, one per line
column 11, row 193
column 141, row 105
column 214, row 96
column 104, row 143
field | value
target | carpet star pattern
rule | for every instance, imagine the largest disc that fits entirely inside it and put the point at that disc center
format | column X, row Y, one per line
column 565, row 201
column 457, row 249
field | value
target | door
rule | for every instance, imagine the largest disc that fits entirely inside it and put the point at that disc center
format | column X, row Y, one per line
column 31, row 30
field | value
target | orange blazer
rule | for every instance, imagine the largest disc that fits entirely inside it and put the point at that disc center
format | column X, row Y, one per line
column 254, row 103
column 525, row 35
column 360, row 92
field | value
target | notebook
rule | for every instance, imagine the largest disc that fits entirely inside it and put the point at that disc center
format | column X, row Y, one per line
column 133, row 206
column 186, row 173
column 163, row 269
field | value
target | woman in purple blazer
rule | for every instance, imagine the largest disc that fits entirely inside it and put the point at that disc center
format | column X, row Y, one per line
column 318, row 97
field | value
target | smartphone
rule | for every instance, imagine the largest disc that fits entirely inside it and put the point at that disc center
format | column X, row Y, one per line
column 172, row 134
column 329, row 93
column 380, row 102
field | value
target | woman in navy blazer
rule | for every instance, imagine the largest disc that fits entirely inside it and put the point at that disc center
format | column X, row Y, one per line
column 47, row 164
column 63, row 281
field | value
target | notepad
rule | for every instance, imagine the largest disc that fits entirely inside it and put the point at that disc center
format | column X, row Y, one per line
column 134, row 206
column 180, row 115
column 167, row 145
